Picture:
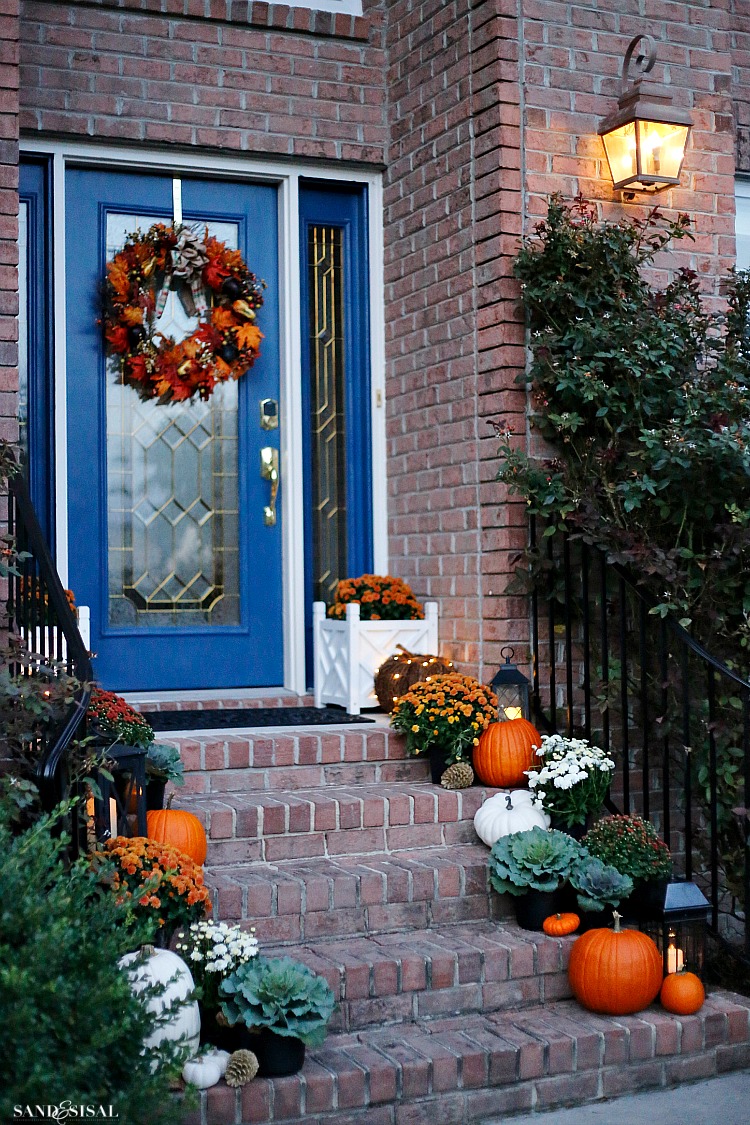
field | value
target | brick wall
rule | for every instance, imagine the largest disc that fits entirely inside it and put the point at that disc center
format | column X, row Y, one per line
column 8, row 218
column 249, row 77
column 740, row 41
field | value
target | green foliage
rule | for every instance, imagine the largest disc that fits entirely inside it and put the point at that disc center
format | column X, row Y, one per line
column 163, row 762
column 630, row 844
column 532, row 861
column 598, row 884
column 644, row 395
column 281, row 994
column 72, row 1029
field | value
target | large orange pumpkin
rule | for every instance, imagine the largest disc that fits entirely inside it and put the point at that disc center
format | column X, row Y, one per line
column 505, row 752
column 615, row 972
column 682, row 993
column 179, row 828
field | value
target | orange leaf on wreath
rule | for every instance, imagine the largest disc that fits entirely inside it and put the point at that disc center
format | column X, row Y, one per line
column 118, row 279
column 248, row 336
column 117, row 337
column 222, row 318
column 215, row 274
column 131, row 314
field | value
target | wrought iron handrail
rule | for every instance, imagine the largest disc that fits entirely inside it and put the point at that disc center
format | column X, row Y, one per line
column 657, row 699
column 41, row 618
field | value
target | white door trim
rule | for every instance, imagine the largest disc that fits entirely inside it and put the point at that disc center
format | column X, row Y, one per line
column 287, row 177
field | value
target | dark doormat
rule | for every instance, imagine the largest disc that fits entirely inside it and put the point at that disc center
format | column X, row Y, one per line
column 221, row 717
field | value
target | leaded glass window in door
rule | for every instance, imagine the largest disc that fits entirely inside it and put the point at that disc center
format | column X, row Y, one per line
column 172, row 488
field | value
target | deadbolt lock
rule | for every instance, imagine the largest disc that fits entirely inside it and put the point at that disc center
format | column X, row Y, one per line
column 269, row 414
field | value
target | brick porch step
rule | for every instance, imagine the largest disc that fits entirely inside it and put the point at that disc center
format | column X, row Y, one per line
column 465, row 1070
column 335, row 820
column 302, row 900
column 212, row 699
column 477, row 967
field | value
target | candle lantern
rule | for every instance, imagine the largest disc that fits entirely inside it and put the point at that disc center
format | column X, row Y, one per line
column 679, row 930
column 512, row 689
column 120, row 807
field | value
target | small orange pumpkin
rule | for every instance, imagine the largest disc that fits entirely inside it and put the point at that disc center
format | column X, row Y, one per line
column 682, row 993
column 179, row 828
column 505, row 752
column 558, row 925
column 615, row 972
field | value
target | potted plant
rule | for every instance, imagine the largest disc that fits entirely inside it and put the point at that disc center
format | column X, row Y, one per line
column 214, row 950
column 598, row 885
column 443, row 717
column 533, row 866
column 572, row 780
column 370, row 617
column 114, row 719
column 633, row 846
column 163, row 764
column 283, row 1005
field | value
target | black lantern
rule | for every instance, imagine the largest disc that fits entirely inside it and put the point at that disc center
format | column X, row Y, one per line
column 119, row 808
column 512, row 689
column 680, row 929
column 646, row 137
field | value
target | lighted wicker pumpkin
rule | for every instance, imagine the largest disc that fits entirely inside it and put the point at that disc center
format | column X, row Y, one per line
column 615, row 972
column 179, row 828
column 404, row 668
column 682, row 993
column 505, row 752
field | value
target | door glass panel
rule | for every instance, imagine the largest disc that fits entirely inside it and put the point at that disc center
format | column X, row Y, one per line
column 327, row 408
column 23, row 329
column 173, row 488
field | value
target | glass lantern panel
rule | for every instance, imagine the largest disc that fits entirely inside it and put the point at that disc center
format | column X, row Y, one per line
column 620, row 148
column 662, row 147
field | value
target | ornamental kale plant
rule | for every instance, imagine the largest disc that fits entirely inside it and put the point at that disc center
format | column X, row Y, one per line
column 598, row 884
column 280, row 994
column 532, row 861
column 644, row 395
column 630, row 844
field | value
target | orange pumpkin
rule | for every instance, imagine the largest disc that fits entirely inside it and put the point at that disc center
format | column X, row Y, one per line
column 558, row 925
column 682, row 993
column 615, row 972
column 179, row 828
column 505, row 752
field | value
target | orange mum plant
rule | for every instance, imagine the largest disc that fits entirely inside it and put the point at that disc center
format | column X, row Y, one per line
column 157, row 881
column 449, row 712
column 381, row 597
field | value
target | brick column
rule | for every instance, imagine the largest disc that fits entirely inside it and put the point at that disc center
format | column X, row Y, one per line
column 9, row 219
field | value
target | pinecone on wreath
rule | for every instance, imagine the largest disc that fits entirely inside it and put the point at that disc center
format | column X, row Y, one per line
column 458, row 776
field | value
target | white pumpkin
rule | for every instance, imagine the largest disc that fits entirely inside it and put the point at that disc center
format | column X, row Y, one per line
column 507, row 812
column 162, row 967
column 205, row 1070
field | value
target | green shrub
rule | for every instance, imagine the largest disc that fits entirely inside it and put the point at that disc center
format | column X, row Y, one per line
column 72, row 1029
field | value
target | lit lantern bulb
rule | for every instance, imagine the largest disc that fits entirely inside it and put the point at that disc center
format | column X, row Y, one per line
column 513, row 713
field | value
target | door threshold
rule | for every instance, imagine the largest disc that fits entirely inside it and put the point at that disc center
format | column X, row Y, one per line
column 199, row 698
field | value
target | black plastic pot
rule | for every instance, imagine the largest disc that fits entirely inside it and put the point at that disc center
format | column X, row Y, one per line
column 277, row 1055
column 227, row 1038
column 646, row 902
column 155, row 794
column 533, row 907
column 577, row 831
column 438, row 763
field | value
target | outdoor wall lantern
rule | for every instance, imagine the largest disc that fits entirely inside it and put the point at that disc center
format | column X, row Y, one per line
column 512, row 689
column 646, row 137
column 680, row 930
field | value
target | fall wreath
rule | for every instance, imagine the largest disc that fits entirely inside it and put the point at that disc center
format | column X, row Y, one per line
column 211, row 281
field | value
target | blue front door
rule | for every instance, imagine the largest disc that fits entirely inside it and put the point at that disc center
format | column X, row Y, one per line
column 169, row 542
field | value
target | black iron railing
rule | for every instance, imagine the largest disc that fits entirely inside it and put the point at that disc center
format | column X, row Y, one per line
column 44, row 628
column 674, row 718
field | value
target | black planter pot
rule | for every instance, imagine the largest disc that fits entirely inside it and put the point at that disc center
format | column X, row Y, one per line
column 593, row 920
column 646, row 902
column 577, row 831
column 438, row 763
column 277, row 1055
column 227, row 1038
column 155, row 794
column 533, row 907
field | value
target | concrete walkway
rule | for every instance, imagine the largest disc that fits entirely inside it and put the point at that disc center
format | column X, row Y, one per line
column 717, row 1101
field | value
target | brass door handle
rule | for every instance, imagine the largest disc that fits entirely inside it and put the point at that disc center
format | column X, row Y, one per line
column 269, row 470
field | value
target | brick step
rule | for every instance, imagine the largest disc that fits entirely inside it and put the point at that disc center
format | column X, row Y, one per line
column 302, row 900
column 468, row 1069
column 477, row 967
column 334, row 821
column 214, row 699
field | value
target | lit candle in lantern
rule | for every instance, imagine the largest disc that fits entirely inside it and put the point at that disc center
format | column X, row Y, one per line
column 112, row 814
column 675, row 958
column 513, row 712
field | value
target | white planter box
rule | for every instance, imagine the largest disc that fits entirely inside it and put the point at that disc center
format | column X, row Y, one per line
column 348, row 653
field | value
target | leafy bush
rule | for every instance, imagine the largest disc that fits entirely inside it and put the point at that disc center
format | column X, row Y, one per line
column 163, row 763
column 630, row 844
column 72, row 1029
column 598, row 884
column 532, row 861
column 281, row 994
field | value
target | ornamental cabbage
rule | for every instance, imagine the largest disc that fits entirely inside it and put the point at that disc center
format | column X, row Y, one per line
column 599, row 884
column 532, row 861
column 280, row 994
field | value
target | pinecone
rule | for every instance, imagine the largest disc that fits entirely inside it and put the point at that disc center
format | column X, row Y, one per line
column 241, row 1068
column 458, row 776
